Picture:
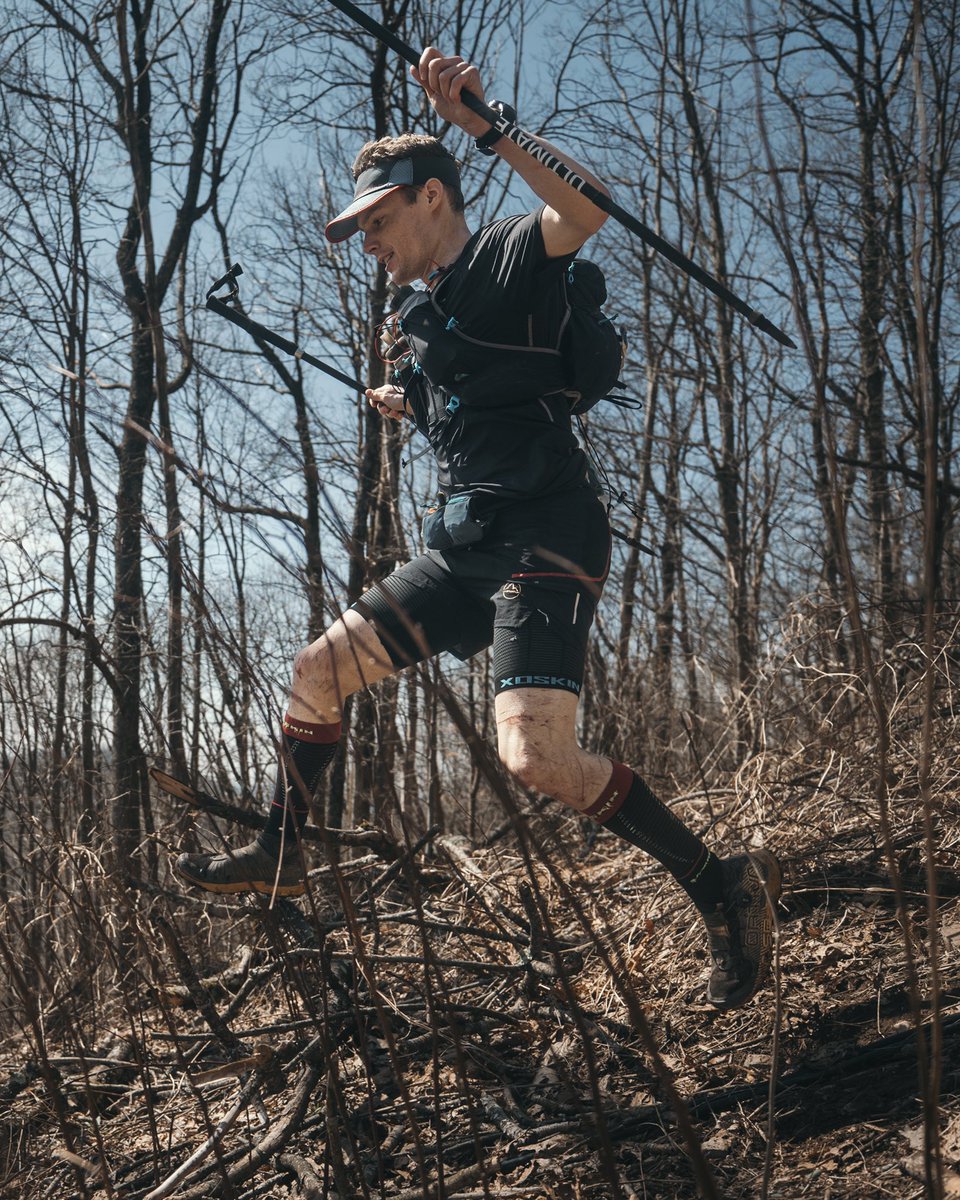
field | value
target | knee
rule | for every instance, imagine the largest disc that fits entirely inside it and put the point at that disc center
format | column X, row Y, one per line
column 307, row 662
column 342, row 660
column 529, row 763
column 319, row 669
column 529, row 768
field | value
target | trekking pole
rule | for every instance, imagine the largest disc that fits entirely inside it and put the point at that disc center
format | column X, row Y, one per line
column 219, row 305
column 528, row 143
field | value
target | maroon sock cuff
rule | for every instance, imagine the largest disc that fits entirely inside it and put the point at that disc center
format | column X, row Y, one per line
column 611, row 799
column 697, row 869
column 305, row 731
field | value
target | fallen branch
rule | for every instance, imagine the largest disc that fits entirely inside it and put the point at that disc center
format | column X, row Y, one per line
column 305, row 1173
column 452, row 1184
column 374, row 839
column 170, row 1184
column 290, row 1122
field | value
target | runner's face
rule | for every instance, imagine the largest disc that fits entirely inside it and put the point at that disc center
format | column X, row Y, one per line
column 393, row 233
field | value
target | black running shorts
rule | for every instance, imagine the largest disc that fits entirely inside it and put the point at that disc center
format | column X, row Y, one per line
column 530, row 588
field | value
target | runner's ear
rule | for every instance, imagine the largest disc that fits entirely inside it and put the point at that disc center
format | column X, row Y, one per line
column 433, row 191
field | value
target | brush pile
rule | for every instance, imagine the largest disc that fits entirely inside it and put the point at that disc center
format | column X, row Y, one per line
column 520, row 1019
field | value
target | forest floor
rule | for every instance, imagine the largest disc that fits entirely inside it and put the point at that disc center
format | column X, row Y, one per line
column 473, row 1021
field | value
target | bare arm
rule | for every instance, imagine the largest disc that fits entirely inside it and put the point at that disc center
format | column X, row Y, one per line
column 569, row 217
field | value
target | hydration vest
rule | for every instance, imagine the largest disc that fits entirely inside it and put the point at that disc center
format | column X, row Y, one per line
column 583, row 360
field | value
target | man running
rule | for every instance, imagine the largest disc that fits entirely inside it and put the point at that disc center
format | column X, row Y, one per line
column 518, row 547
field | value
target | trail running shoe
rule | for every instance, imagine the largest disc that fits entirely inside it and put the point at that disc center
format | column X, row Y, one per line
column 247, row 869
column 740, row 931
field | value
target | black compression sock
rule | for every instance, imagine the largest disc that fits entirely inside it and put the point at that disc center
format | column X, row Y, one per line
column 306, row 750
column 629, row 809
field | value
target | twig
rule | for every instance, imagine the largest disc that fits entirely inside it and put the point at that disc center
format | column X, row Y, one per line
column 492, row 935
column 453, row 964
column 260, row 1060
column 535, row 943
column 198, row 994
column 377, row 885
column 505, row 1123
column 95, row 1171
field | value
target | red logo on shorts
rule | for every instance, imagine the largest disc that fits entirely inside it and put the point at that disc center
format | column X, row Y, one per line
column 510, row 591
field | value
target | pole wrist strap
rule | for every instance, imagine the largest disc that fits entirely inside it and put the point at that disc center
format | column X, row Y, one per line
column 488, row 140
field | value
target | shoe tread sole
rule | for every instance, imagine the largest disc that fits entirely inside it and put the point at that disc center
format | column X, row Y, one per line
column 753, row 934
column 234, row 887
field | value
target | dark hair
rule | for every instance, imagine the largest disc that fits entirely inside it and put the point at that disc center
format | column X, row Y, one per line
column 407, row 145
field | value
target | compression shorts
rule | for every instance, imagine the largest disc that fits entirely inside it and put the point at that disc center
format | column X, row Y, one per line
column 529, row 588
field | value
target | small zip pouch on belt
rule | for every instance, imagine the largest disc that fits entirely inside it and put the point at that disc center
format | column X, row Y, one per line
column 451, row 523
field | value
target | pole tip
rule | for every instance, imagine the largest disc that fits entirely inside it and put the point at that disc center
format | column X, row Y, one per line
column 759, row 321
